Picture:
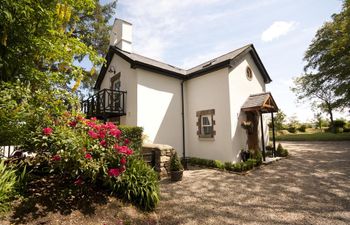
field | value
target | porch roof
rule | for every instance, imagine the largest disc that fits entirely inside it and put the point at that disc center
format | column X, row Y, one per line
column 262, row 102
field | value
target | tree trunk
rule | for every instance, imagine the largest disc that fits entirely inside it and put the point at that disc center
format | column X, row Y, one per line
column 330, row 112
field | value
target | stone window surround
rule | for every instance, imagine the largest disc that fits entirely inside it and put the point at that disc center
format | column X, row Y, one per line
column 199, row 115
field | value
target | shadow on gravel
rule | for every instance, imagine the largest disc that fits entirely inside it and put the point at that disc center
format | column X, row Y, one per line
column 311, row 186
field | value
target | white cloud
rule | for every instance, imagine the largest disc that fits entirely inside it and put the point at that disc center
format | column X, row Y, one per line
column 278, row 29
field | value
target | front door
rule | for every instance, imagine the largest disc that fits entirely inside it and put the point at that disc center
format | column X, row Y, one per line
column 252, row 133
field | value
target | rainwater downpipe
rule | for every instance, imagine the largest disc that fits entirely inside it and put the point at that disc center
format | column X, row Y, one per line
column 183, row 125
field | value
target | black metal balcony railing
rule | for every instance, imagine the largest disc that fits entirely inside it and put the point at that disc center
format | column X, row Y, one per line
column 105, row 104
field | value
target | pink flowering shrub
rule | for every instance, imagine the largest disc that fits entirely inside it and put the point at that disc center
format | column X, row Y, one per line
column 89, row 151
column 85, row 149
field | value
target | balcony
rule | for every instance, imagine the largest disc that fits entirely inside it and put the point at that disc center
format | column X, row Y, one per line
column 105, row 104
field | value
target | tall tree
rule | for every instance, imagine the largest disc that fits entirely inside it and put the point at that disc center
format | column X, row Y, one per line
column 320, row 95
column 328, row 57
column 39, row 45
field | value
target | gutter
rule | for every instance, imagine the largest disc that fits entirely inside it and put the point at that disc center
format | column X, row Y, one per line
column 183, row 125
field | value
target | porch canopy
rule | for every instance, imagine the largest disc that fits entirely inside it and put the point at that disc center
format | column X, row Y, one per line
column 262, row 103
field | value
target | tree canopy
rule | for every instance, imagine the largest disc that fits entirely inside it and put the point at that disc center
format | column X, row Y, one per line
column 40, row 42
column 328, row 57
column 326, row 81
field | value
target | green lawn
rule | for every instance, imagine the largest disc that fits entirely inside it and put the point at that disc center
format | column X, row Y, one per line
column 314, row 137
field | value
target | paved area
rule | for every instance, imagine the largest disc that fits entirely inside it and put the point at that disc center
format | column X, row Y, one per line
column 312, row 186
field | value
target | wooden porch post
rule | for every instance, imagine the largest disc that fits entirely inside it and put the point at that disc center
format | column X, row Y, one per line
column 262, row 136
column 273, row 136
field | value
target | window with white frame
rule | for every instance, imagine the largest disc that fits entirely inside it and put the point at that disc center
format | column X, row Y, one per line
column 206, row 123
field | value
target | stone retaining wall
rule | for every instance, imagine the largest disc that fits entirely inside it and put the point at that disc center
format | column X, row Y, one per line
column 163, row 154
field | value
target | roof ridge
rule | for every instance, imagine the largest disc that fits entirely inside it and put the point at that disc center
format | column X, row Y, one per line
column 187, row 70
column 214, row 59
column 262, row 93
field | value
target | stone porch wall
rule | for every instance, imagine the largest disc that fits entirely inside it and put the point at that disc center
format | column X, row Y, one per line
column 163, row 154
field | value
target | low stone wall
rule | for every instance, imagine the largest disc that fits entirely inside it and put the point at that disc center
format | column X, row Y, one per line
column 163, row 154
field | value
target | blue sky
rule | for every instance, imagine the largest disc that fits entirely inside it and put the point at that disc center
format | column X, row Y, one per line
column 188, row 32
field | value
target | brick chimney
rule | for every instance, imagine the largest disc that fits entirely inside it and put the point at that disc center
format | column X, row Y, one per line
column 121, row 35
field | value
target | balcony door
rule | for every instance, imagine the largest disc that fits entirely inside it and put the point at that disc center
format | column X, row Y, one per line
column 115, row 93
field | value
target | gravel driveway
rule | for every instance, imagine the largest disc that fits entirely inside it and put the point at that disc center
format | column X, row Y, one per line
column 312, row 186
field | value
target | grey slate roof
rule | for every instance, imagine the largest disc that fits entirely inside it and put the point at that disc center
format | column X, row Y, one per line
column 149, row 61
column 257, row 101
column 139, row 61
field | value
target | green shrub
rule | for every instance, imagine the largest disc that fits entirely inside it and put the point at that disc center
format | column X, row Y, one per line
column 139, row 184
column 281, row 152
column 8, row 181
column 302, row 128
column 219, row 164
column 292, row 129
column 339, row 130
column 134, row 135
column 228, row 166
column 339, row 123
column 175, row 163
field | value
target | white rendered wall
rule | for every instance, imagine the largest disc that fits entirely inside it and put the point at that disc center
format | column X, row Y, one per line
column 159, row 108
column 209, row 91
column 240, row 89
column 128, row 83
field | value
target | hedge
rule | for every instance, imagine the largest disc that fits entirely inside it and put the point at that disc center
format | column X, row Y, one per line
column 134, row 134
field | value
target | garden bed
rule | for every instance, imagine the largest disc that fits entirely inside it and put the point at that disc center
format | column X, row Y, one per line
column 53, row 199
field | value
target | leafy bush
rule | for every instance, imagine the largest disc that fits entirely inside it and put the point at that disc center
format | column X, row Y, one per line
column 134, row 135
column 8, row 181
column 139, row 184
column 255, row 161
column 219, row 164
column 92, row 152
column 339, row 123
column 281, row 152
column 175, row 164
column 83, row 149
column 292, row 129
column 302, row 128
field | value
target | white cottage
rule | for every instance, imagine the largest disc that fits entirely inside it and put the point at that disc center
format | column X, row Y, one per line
column 198, row 111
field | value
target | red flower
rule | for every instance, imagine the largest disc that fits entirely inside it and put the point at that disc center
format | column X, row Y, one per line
column 88, row 156
column 113, row 172
column 115, row 133
column 110, row 125
column 103, row 143
column 78, row 181
column 123, row 161
column 73, row 123
column 79, row 117
column 91, row 124
column 102, row 134
column 122, row 169
column 47, row 131
column 56, row 158
column 123, row 149
column 92, row 134
column 93, row 119
column 126, row 141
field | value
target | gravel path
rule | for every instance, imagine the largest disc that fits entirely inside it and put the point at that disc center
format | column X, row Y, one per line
column 312, row 186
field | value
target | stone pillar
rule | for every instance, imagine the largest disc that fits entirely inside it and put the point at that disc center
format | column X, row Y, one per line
column 163, row 154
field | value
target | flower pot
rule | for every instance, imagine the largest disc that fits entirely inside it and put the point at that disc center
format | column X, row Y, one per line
column 176, row 175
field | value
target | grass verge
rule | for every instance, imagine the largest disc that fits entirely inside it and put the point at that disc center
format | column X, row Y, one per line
column 315, row 137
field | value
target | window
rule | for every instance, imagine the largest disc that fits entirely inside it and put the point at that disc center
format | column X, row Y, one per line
column 206, row 123
column 249, row 73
